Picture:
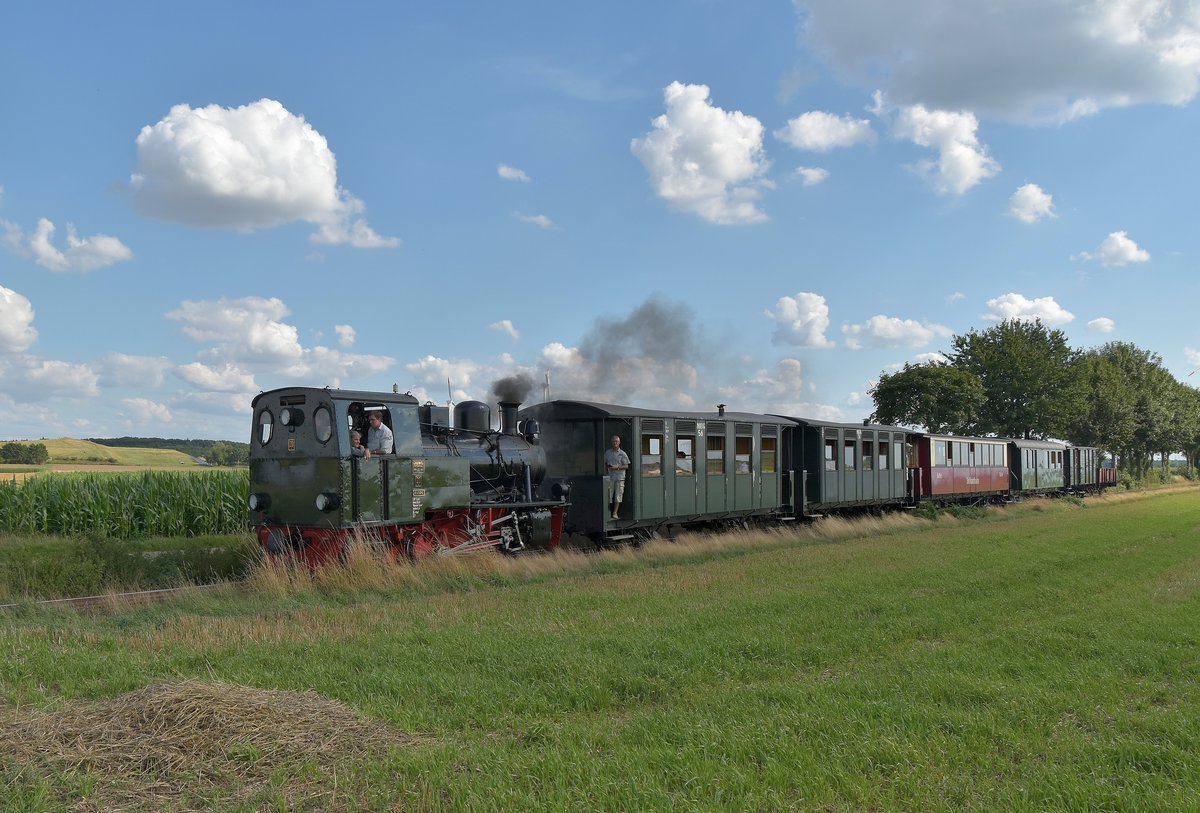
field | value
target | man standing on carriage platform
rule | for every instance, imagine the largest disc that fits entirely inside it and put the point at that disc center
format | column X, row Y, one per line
column 616, row 462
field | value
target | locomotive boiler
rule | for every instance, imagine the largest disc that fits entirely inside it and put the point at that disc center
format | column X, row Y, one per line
column 444, row 489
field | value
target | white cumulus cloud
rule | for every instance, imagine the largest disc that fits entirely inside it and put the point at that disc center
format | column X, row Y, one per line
column 226, row 379
column 30, row 379
column 1016, row 306
column 250, row 327
column 432, row 374
column 145, row 411
column 505, row 326
column 17, row 332
column 1028, row 61
column 1030, row 203
column 249, row 167
column 79, row 254
column 249, row 333
column 962, row 160
column 121, row 370
column 811, row 176
column 890, row 331
column 801, row 320
column 1102, row 324
column 1119, row 249
column 821, row 132
column 541, row 221
column 512, row 173
column 704, row 160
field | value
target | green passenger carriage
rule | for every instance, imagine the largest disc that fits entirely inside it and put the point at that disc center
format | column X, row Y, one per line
column 688, row 469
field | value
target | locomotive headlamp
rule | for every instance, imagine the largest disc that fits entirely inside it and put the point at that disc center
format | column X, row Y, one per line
column 290, row 416
column 260, row 502
column 327, row 502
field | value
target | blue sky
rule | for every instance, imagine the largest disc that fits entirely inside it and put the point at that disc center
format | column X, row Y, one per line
column 663, row 204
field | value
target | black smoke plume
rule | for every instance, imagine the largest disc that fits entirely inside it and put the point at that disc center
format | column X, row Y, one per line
column 514, row 388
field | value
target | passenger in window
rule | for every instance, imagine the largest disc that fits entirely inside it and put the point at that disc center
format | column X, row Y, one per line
column 616, row 462
column 356, row 447
column 379, row 437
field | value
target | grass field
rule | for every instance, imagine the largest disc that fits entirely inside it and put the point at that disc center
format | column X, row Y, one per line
column 1038, row 659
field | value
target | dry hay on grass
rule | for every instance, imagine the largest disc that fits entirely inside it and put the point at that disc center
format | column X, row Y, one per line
column 169, row 746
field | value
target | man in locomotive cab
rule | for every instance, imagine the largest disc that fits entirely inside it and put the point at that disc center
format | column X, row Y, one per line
column 379, row 437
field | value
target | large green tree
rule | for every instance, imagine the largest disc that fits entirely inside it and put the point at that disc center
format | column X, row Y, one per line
column 1150, row 387
column 935, row 396
column 1029, row 374
column 1107, row 417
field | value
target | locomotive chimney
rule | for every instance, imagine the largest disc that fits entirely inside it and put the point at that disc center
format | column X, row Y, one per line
column 720, row 410
column 508, row 417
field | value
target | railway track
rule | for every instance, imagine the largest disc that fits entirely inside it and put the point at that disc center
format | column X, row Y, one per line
column 115, row 601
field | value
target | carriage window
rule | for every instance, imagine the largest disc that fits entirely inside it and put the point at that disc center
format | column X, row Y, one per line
column 716, row 454
column 685, row 451
column 741, row 455
column 323, row 424
column 971, row 457
column 883, row 455
column 768, row 455
column 266, row 423
column 868, row 455
column 652, row 455
column 941, row 453
column 830, row 455
column 850, row 454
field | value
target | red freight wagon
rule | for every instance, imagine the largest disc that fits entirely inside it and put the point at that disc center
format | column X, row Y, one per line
column 949, row 466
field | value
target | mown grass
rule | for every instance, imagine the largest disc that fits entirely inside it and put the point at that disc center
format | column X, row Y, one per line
column 1044, row 658
column 49, row 567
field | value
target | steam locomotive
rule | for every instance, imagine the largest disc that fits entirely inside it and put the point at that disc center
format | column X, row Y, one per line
column 441, row 490
column 540, row 477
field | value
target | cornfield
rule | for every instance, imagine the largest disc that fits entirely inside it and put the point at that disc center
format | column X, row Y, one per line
column 126, row 506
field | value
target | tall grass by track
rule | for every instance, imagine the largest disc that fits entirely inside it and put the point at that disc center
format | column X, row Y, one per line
column 126, row 505
column 1042, row 658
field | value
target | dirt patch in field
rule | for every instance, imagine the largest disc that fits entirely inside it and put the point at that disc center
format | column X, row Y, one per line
column 182, row 746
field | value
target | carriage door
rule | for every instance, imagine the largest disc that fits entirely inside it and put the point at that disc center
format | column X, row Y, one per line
column 685, row 468
column 850, row 466
column 714, row 467
column 769, row 468
column 649, row 467
column 743, row 466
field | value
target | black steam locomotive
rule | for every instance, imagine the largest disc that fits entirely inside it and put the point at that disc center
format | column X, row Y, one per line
column 441, row 490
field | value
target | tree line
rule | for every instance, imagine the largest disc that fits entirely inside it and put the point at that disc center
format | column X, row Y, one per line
column 35, row 453
column 1023, row 380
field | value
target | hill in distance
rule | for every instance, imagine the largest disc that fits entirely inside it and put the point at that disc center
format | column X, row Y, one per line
column 73, row 450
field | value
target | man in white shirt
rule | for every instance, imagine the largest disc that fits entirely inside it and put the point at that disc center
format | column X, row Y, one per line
column 616, row 462
column 379, row 437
